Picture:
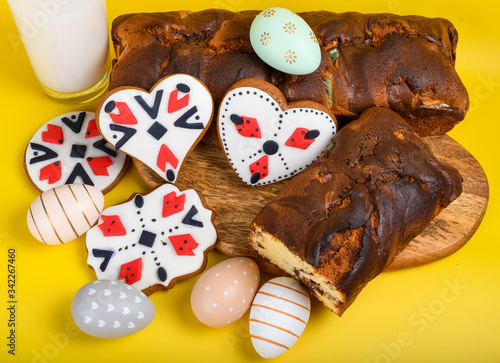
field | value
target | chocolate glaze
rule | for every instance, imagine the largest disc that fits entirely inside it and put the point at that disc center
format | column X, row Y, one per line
column 405, row 63
column 363, row 201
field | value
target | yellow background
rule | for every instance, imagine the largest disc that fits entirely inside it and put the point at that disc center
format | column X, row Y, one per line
column 405, row 316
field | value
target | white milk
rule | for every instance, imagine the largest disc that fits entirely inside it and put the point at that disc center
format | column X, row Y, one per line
column 66, row 41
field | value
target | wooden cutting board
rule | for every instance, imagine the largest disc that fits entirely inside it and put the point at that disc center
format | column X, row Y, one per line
column 235, row 203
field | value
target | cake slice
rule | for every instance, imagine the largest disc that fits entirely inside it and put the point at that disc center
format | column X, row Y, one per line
column 343, row 220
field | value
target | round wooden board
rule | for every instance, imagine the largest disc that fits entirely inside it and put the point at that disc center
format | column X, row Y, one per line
column 236, row 204
column 456, row 224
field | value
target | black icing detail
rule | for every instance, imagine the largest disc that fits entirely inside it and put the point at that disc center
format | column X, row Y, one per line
column 255, row 178
column 101, row 145
column 162, row 274
column 237, row 120
column 170, row 175
column 79, row 171
column 110, row 106
column 78, row 151
column 127, row 134
column 106, row 254
column 152, row 111
column 183, row 87
column 48, row 153
column 75, row 126
column 312, row 134
column 270, row 147
column 157, row 130
column 182, row 121
column 139, row 201
column 188, row 219
column 147, row 239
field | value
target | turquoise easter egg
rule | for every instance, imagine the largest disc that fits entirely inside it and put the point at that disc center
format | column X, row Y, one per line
column 285, row 41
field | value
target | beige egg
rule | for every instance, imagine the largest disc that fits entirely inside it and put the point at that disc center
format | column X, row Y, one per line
column 225, row 291
column 64, row 213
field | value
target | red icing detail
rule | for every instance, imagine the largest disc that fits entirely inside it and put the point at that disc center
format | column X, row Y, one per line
column 125, row 117
column 131, row 271
column 260, row 166
column 51, row 172
column 100, row 164
column 184, row 244
column 298, row 139
column 249, row 127
column 112, row 226
column 166, row 156
column 175, row 103
column 53, row 135
column 92, row 130
column 173, row 204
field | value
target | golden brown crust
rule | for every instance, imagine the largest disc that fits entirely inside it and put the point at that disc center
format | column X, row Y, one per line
column 346, row 217
column 405, row 63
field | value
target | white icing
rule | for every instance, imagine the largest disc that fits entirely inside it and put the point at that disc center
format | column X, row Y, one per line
column 162, row 253
column 275, row 125
column 67, row 162
column 179, row 140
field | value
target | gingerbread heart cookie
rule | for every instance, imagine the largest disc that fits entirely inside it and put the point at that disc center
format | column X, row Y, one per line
column 152, row 240
column 70, row 150
column 161, row 127
column 267, row 140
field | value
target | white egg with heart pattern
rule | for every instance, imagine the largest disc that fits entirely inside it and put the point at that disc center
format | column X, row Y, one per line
column 111, row 309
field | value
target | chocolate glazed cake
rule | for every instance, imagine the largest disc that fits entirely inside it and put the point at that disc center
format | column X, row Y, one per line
column 342, row 221
column 405, row 63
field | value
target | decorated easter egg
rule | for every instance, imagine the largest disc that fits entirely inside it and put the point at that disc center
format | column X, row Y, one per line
column 278, row 316
column 225, row 291
column 111, row 309
column 285, row 41
column 64, row 213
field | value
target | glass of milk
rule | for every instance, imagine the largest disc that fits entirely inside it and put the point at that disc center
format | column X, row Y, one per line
column 67, row 45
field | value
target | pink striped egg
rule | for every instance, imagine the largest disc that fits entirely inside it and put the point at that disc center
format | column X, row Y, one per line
column 278, row 316
column 64, row 213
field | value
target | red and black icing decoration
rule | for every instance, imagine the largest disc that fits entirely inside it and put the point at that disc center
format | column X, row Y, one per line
column 246, row 126
column 265, row 143
column 51, row 172
column 131, row 271
column 69, row 149
column 149, row 239
column 53, row 135
column 184, row 244
column 172, row 204
column 169, row 119
column 112, row 226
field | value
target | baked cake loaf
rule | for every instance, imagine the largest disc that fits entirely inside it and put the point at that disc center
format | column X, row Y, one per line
column 405, row 63
column 343, row 220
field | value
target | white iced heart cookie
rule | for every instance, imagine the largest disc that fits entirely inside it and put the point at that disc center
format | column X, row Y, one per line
column 159, row 128
column 267, row 140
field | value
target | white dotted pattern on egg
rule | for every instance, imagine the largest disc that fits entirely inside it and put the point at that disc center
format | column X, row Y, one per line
column 279, row 315
column 64, row 213
column 225, row 291
column 111, row 309
column 285, row 41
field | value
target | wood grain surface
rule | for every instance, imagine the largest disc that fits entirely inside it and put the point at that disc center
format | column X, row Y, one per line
column 455, row 225
column 235, row 203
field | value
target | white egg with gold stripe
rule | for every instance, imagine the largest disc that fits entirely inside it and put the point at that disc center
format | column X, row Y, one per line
column 278, row 316
column 64, row 213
